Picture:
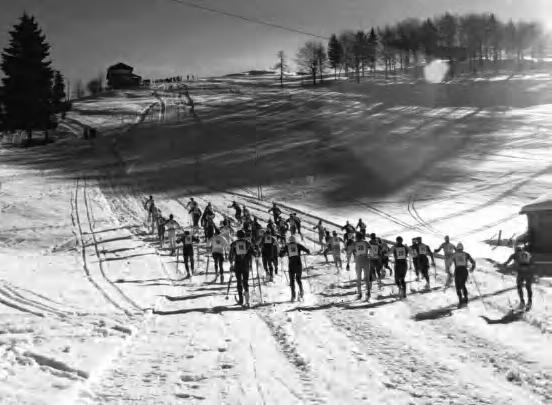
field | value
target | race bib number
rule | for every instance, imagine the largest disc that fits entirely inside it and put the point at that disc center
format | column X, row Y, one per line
column 374, row 250
column 422, row 249
column 293, row 250
column 268, row 239
column 401, row 253
column 461, row 260
column 360, row 249
column 187, row 240
column 241, row 248
column 525, row 258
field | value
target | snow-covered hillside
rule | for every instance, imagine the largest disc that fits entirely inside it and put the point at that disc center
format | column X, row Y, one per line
column 93, row 311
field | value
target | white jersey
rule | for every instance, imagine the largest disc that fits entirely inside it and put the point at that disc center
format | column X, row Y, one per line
column 448, row 248
column 171, row 225
column 218, row 243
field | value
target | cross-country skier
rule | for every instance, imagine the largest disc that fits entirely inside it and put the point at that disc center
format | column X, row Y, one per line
column 327, row 247
column 269, row 251
column 191, row 205
column 188, row 241
column 384, row 256
column 362, row 265
column 209, row 228
column 448, row 250
column 349, row 231
column 298, row 224
column 276, row 211
column 361, row 226
column 270, row 226
column 241, row 253
column 375, row 258
column 400, row 253
column 218, row 245
column 258, row 239
column 196, row 215
column 149, row 206
column 334, row 245
column 247, row 230
column 255, row 228
column 207, row 213
column 161, row 229
column 423, row 252
column 523, row 261
column 349, row 250
column 293, row 251
column 282, row 229
column 413, row 250
column 227, row 233
column 246, row 215
column 171, row 226
column 237, row 210
column 320, row 228
column 225, row 221
column 294, row 224
column 460, row 260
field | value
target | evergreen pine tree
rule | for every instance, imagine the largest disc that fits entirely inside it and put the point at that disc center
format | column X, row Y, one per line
column 27, row 85
column 335, row 53
column 58, row 94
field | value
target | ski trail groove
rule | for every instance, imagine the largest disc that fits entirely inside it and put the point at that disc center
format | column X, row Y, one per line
column 83, row 254
column 90, row 217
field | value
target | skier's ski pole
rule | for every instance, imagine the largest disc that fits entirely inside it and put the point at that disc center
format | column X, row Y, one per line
column 250, row 273
column 229, row 282
column 286, row 274
column 177, row 259
column 479, row 292
column 207, row 268
column 259, row 281
column 308, row 275
column 410, row 277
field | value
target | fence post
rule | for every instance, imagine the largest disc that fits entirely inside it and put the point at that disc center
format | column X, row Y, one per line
column 499, row 237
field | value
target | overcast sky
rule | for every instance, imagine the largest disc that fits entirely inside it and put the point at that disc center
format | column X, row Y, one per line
column 160, row 37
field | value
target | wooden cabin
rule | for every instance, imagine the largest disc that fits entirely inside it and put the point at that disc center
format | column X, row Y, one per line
column 120, row 76
column 539, row 232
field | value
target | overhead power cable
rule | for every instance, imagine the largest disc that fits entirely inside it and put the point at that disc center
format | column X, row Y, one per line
column 248, row 19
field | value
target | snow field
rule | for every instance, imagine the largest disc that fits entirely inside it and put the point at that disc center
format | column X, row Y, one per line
column 465, row 166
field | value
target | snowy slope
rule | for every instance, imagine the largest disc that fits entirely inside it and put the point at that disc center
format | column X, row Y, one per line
column 95, row 312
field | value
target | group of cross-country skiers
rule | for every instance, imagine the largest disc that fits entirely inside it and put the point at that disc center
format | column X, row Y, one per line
column 371, row 254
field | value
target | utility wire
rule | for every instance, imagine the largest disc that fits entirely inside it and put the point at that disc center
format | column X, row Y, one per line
column 248, row 19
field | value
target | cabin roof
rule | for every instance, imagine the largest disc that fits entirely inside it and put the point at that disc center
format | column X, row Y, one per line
column 120, row 65
column 543, row 203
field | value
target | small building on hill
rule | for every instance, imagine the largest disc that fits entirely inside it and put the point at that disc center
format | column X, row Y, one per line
column 120, row 76
column 539, row 220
